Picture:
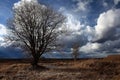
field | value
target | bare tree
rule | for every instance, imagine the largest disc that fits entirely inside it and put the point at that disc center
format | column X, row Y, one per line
column 35, row 29
column 75, row 51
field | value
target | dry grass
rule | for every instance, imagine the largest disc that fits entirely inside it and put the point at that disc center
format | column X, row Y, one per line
column 91, row 69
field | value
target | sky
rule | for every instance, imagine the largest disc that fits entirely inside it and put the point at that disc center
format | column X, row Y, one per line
column 93, row 24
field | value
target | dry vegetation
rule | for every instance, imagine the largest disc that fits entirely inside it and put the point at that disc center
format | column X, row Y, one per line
column 88, row 69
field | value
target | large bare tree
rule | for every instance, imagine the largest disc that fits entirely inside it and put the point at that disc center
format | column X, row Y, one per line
column 35, row 29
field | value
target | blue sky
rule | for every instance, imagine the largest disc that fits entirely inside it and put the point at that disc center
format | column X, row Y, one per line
column 88, row 21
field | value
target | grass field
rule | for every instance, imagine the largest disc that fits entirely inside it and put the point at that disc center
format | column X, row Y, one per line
column 83, row 69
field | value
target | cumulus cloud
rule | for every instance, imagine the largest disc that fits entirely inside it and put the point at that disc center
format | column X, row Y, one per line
column 92, row 50
column 90, row 47
column 108, row 25
column 104, row 49
column 76, row 32
column 72, row 23
column 107, row 35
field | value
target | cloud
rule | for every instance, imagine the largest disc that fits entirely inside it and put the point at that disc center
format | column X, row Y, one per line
column 2, row 30
column 76, row 32
column 72, row 23
column 23, row 2
column 116, row 2
column 106, row 35
column 62, row 9
column 108, row 26
column 90, row 47
column 105, row 4
column 82, row 5
column 110, row 46
column 106, row 48
column 100, row 49
column 3, row 33
column 10, row 52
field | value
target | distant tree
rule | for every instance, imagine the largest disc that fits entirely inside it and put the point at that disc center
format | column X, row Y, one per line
column 35, row 29
column 75, row 51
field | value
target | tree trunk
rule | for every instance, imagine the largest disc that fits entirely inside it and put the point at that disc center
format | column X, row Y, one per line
column 35, row 61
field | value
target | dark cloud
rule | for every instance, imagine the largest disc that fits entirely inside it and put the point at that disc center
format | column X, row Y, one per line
column 9, row 52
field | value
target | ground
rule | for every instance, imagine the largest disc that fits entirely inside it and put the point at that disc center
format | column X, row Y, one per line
column 83, row 69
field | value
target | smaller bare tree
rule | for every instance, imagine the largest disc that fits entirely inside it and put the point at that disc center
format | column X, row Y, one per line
column 75, row 51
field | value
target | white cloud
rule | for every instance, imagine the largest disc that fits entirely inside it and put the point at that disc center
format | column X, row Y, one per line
column 1, row 39
column 76, row 27
column 107, row 23
column 108, row 30
column 76, row 32
column 105, row 4
column 90, row 47
column 72, row 23
column 116, row 2
column 2, row 30
column 23, row 2
column 82, row 5
column 108, row 47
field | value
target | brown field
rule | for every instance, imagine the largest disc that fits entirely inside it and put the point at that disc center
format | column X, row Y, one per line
column 84, row 69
